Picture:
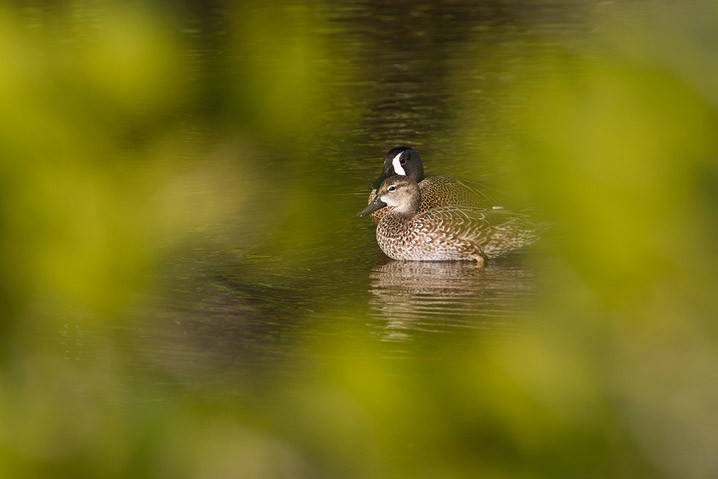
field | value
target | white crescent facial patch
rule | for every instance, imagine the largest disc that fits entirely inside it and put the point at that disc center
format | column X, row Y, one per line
column 398, row 169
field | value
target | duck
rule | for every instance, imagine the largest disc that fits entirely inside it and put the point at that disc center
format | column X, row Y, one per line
column 435, row 190
column 444, row 233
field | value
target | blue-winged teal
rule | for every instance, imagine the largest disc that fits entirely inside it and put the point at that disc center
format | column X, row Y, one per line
column 447, row 232
column 435, row 190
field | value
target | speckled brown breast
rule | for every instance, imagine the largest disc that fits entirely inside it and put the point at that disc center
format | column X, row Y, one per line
column 438, row 191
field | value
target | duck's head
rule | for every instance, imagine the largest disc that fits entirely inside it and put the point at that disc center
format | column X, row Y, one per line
column 403, row 161
column 400, row 193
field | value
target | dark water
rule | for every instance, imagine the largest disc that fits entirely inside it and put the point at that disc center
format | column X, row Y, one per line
column 220, row 312
column 283, row 262
column 192, row 295
column 246, row 293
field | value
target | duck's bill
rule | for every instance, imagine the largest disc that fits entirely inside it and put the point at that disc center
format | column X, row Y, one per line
column 377, row 204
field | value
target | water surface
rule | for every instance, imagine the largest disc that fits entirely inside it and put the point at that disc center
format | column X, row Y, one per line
column 293, row 263
column 187, row 291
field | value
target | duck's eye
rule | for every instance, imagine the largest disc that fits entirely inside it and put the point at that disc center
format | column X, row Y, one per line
column 402, row 161
column 392, row 188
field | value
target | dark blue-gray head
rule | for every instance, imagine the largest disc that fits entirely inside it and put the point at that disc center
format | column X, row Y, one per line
column 403, row 161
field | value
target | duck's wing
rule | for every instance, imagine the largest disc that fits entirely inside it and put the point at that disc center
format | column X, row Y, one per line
column 480, row 190
column 495, row 230
column 455, row 223
column 510, row 231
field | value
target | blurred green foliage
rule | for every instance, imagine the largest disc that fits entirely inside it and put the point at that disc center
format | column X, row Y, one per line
column 125, row 134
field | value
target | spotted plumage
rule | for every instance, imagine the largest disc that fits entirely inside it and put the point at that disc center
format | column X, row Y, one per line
column 447, row 232
column 436, row 191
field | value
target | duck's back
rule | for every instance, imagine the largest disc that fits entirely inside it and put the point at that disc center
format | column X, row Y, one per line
column 438, row 191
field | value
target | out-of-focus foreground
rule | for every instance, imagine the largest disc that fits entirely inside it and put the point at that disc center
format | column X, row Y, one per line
column 134, row 134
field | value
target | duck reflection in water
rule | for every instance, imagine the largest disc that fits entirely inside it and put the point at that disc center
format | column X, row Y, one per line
column 409, row 297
